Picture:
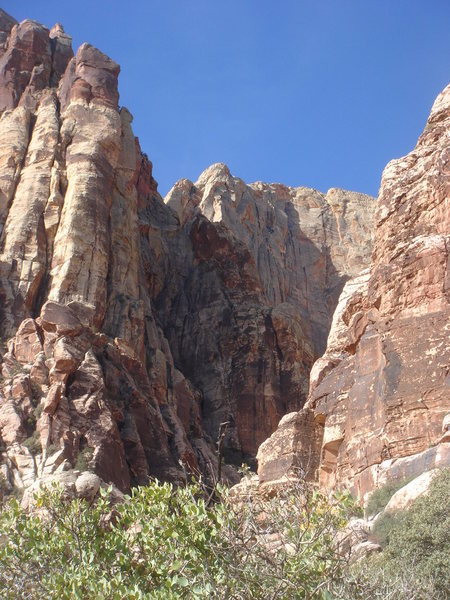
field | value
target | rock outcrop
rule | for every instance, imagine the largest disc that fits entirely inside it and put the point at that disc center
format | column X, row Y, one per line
column 408, row 494
column 379, row 397
column 133, row 327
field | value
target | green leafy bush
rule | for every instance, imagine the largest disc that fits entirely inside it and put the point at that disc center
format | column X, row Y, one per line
column 84, row 458
column 420, row 537
column 16, row 368
column 385, row 527
column 167, row 543
column 414, row 561
column 36, row 394
column 37, row 411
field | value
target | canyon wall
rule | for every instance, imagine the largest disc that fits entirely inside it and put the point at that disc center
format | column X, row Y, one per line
column 133, row 326
column 379, row 400
column 247, row 304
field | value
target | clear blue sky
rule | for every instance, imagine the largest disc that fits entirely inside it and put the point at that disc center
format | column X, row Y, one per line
column 321, row 93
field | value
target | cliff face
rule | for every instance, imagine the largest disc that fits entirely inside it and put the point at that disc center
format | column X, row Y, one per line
column 132, row 326
column 380, row 394
column 256, row 285
column 83, row 343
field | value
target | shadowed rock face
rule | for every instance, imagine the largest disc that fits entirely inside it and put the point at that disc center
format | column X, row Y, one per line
column 263, row 270
column 131, row 326
column 380, row 394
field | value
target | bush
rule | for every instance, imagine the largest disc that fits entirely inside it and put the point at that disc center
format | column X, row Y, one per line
column 419, row 537
column 37, row 411
column 36, row 393
column 381, row 496
column 33, row 443
column 369, row 579
column 167, row 543
column 385, row 527
column 16, row 368
column 84, row 458
column 414, row 561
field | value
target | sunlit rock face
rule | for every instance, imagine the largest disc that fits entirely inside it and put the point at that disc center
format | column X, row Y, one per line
column 380, row 395
column 85, row 366
column 133, row 327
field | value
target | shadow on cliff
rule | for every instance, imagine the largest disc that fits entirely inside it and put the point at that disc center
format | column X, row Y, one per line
column 4, row 329
column 220, row 329
column 320, row 283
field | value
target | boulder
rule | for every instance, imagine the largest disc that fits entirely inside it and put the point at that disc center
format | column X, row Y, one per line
column 405, row 496
column 87, row 486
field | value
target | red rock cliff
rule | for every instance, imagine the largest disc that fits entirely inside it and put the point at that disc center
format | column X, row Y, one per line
column 380, row 395
column 132, row 327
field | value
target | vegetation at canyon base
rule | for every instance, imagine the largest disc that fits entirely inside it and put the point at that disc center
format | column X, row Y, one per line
column 163, row 542
column 169, row 543
column 414, row 563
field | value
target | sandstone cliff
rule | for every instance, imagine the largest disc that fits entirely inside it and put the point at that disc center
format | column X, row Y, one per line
column 380, row 394
column 76, row 316
column 132, row 326
column 263, row 270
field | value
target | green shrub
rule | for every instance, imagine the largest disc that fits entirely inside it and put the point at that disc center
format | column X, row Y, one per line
column 369, row 579
column 167, row 543
column 414, row 561
column 420, row 536
column 51, row 449
column 37, row 411
column 84, row 458
column 33, row 443
column 385, row 527
column 381, row 496
column 16, row 368
column 36, row 392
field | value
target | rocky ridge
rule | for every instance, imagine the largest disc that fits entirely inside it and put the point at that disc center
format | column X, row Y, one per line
column 133, row 327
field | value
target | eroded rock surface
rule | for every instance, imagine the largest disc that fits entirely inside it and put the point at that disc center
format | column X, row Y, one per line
column 380, row 394
column 262, row 268
column 133, row 327
column 87, row 373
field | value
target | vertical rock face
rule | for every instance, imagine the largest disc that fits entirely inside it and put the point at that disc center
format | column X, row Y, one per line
column 32, row 59
column 380, row 394
column 263, row 270
column 131, row 327
column 86, row 369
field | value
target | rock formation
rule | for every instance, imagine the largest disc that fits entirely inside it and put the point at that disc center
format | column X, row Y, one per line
column 132, row 327
column 263, row 269
column 379, row 397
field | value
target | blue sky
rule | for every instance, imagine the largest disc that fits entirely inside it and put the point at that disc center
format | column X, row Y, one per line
column 321, row 93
